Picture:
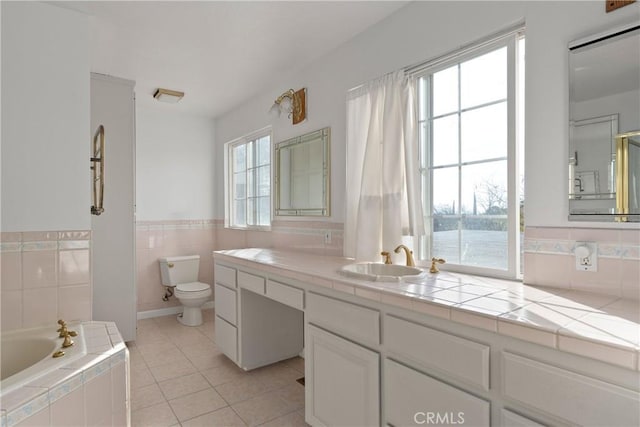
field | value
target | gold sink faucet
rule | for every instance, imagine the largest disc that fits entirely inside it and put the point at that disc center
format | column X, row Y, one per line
column 434, row 267
column 409, row 254
column 387, row 257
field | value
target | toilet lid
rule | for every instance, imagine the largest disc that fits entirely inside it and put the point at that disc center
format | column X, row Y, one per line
column 192, row 287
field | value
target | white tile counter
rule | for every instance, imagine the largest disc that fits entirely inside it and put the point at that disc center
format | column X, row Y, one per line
column 602, row 327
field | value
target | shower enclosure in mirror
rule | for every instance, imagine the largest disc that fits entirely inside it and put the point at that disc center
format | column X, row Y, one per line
column 302, row 175
column 604, row 111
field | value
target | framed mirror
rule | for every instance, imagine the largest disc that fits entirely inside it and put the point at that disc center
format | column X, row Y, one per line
column 302, row 175
column 604, row 105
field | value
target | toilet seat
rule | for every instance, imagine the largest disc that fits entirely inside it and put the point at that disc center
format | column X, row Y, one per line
column 192, row 290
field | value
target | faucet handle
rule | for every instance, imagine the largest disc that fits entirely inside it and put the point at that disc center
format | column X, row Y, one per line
column 434, row 267
column 387, row 257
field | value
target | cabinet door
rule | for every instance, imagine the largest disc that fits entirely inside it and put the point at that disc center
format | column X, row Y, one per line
column 342, row 381
column 413, row 398
column 226, row 338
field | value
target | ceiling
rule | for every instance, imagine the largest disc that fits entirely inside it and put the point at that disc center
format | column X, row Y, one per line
column 219, row 53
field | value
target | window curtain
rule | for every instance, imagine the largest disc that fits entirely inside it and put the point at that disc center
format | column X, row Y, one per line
column 382, row 178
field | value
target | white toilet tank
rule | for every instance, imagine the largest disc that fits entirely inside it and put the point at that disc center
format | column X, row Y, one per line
column 179, row 269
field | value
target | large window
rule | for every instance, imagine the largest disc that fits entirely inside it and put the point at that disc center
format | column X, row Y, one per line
column 249, row 181
column 470, row 111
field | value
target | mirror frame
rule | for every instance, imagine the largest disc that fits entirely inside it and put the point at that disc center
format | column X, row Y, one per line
column 618, row 213
column 324, row 136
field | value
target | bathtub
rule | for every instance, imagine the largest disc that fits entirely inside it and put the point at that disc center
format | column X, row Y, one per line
column 38, row 389
column 27, row 354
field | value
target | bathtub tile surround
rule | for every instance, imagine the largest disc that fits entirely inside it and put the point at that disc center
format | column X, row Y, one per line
column 89, row 391
column 45, row 276
column 550, row 260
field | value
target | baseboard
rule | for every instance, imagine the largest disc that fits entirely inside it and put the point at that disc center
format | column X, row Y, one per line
column 167, row 311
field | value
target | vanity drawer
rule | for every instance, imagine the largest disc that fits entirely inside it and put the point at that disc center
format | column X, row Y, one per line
column 227, row 338
column 574, row 397
column 431, row 349
column 225, row 276
column 225, row 301
column 410, row 397
column 288, row 295
column 251, row 282
column 343, row 318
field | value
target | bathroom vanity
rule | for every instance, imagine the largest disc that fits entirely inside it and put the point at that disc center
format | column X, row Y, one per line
column 429, row 351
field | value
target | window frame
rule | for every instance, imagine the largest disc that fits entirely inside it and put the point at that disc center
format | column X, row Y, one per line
column 229, row 188
column 515, row 120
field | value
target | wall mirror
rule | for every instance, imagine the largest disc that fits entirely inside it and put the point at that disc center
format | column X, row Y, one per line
column 604, row 117
column 302, row 175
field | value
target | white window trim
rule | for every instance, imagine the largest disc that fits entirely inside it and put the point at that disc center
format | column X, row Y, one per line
column 228, row 179
column 509, row 39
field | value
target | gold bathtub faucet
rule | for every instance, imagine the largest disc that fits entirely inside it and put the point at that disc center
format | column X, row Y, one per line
column 408, row 253
column 66, row 334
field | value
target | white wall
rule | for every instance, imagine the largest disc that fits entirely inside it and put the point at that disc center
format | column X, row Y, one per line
column 424, row 30
column 174, row 165
column 45, row 117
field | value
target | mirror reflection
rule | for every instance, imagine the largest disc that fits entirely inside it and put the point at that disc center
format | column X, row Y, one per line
column 302, row 175
column 604, row 105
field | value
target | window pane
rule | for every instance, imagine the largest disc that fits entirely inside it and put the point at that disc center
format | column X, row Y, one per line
column 239, row 185
column 484, row 188
column 251, row 187
column 239, row 157
column 239, row 213
column 263, row 180
column 445, row 91
column 445, row 191
column 484, row 133
column 484, row 242
column 264, row 211
column 445, row 140
column 484, row 79
column 445, row 240
column 263, row 151
column 250, row 154
column 251, row 219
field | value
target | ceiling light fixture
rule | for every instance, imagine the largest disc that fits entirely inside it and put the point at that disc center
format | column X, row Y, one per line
column 166, row 95
column 295, row 103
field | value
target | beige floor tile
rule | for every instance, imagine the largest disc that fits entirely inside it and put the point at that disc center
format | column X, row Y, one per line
column 159, row 415
column 183, row 385
column 242, row 389
column 278, row 375
column 202, row 363
column 141, row 376
column 262, row 408
column 293, row 419
column 296, row 363
column 144, row 397
column 150, row 336
column 135, row 357
column 223, row 374
column 204, row 347
column 172, row 370
column 196, row 404
column 222, row 417
column 293, row 395
column 170, row 355
column 152, row 348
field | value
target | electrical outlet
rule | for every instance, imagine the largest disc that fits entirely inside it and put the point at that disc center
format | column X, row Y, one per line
column 327, row 237
column 586, row 254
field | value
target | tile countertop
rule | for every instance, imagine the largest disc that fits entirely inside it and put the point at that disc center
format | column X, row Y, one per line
column 602, row 327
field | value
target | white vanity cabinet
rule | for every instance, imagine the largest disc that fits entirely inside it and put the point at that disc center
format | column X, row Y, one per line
column 341, row 380
column 368, row 363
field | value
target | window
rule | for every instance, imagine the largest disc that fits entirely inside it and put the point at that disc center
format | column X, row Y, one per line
column 471, row 140
column 248, row 162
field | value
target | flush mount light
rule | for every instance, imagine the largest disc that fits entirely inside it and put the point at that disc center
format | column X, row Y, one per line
column 166, row 95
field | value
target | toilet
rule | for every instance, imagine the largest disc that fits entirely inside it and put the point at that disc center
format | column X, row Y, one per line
column 181, row 274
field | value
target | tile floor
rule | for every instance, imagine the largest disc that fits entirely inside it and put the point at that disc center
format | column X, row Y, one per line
column 180, row 378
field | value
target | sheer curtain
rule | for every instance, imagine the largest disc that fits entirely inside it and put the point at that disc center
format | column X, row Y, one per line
column 382, row 181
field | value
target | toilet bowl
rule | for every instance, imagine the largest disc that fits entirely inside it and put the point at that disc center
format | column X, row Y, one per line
column 181, row 274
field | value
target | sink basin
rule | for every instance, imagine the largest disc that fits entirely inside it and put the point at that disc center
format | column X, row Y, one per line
column 378, row 272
